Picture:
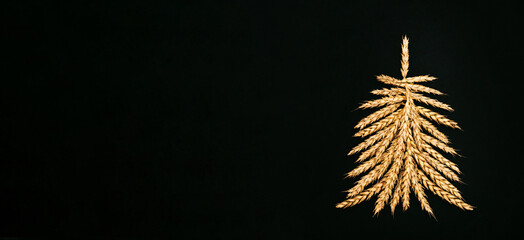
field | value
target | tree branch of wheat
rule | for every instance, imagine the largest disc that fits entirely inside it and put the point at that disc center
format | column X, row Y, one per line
column 400, row 152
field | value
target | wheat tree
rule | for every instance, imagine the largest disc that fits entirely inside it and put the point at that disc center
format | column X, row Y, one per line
column 403, row 149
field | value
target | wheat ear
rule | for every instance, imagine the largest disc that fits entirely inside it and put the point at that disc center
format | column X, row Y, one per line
column 398, row 152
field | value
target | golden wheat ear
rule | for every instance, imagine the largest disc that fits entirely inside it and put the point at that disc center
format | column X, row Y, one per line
column 402, row 149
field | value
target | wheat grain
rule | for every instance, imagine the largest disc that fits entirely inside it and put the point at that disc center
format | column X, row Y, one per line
column 445, row 170
column 431, row 102
column 381, row 102
column 444, row 194
column 438, row 179
column 421, row 196
column 363, row 167
column 406, row 182
column 378, row 149
column 439, row 118
column 377, row 125
column 372, row 139
column 402, row 84
column 396, row 194
column 431, row 129
column 389, row 80
column 392, row 175
column 377, row 115
column 389, row 91
column 373, row 149
column 438, row 144
column 424, row 78
column 405, row 57
column 369, row 178
column 365, row 195
column 421, row 88
column 390, row 180
column 375, row 173
column 435, row 154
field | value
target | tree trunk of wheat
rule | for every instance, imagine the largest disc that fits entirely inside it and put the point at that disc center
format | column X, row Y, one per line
column 400, row 149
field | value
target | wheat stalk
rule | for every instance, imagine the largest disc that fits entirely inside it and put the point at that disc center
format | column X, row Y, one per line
column 399, row 149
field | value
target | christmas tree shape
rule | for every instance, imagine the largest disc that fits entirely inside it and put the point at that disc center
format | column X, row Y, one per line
column 400, row 151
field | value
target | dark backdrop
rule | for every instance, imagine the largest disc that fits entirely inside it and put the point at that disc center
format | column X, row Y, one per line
column 232, row 119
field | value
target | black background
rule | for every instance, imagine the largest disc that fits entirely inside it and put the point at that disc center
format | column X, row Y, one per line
column 232, row 119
